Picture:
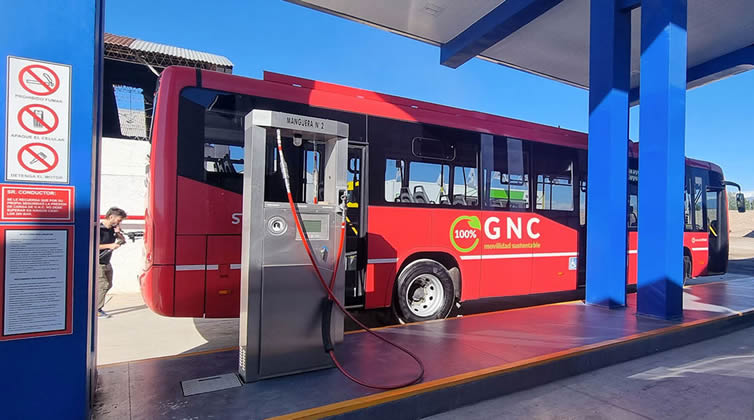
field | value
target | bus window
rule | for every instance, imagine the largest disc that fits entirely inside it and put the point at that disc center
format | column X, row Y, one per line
column 428, row 184
column 465, row 188
column 687, row 209
column 554, row 183
column 508, row 179
column 633, row 206
column 312, row 163
column 633, row 195
column 424, row 163
column 223, row 166
column 712, row 210
column 395, row 173
column 210, row 138
column 698, row 204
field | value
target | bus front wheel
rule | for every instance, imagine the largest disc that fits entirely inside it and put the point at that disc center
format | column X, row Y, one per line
column 424, row 291
column 686, row 269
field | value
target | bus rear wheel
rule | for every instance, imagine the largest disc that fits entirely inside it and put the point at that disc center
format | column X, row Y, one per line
column 424, row 291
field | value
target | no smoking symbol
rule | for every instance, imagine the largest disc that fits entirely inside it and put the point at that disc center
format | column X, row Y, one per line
column 38, row 119
column 39, row 80
column 38, row 158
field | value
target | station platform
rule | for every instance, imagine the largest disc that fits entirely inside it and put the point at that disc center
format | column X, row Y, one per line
column 467, row 360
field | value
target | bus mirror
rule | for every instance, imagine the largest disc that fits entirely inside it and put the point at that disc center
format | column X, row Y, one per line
column 740, row 202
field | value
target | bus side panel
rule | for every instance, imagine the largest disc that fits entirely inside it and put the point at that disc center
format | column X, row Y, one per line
column 393, row 233
column 555, row 255
column 163, row 166
column 698, row 243
column 464, row 236
column 190, row 254
column 404, row 232
column 157, row 289
column 208, row 210
column 633, row 256
column 223, row 276
column 506, row 270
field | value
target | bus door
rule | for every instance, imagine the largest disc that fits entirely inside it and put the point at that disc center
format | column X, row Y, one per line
column 581, row 173
column 698, row 181
column 555, row 190
column 717, row 225
column 356, row 218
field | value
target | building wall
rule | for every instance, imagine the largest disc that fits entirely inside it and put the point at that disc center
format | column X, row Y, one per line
column 122, row 184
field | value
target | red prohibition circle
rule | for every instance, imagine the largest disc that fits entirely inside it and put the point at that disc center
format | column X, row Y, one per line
column 46, row 89
column 48, row 166
column 47, row 127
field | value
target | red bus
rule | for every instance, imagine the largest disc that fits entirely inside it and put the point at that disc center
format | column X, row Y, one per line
column 446, row 205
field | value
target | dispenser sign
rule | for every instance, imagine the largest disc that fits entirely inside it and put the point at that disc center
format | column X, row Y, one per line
column 37, row 121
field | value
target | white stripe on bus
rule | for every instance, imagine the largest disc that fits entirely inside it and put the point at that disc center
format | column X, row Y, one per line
column 190, row 267
column 202, row 267
column 382, row 260
column 700, row 249
column 528, row 255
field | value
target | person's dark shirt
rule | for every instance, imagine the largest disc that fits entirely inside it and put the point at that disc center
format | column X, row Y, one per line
column 106, row 236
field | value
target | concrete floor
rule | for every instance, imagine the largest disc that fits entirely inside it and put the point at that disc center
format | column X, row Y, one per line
column 134, row 332
column 712, row 379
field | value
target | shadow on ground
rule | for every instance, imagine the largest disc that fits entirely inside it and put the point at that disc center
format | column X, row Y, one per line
column 742, row 266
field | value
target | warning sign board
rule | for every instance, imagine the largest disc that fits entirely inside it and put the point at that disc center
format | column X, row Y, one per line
column 36, row 203
column 38, row 115
column 36, row 282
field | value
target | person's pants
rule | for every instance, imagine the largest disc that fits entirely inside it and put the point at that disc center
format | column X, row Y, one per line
column 104, row 283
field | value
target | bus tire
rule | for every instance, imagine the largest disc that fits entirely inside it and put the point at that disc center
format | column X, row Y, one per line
column 424, row 291
column 686, row 269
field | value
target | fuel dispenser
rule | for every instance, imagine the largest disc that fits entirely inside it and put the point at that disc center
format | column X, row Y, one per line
column 284, row 313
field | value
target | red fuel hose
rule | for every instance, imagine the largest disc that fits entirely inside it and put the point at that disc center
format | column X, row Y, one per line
column 329, row 291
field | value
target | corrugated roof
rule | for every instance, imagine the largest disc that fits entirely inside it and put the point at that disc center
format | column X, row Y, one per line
column 153, row 47
column 129, row 49
column 123, row 41
column 132, row 123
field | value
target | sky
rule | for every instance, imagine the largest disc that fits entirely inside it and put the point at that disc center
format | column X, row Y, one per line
column 274, row 35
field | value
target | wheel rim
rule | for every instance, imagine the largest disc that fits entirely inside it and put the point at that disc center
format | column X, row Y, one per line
column 424, row 295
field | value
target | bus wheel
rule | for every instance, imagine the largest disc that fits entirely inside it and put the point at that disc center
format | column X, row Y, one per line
column 686, row 269
column 424, row 292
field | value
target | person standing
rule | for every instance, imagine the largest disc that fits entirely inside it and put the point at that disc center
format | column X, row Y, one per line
column 110, row 239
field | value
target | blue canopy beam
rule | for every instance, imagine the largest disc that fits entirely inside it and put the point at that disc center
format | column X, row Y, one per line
column 495, row 26
column 738, row 61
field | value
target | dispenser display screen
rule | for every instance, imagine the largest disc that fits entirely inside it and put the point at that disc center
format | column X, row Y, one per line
column 313, row 226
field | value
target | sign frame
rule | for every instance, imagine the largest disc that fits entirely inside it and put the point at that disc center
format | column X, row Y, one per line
column 14, row 172
column 68, row 326
column 4, row 218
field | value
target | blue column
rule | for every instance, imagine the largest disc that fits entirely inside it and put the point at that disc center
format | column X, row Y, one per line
column 661, row 157
column 609, row 78
column 52, row 376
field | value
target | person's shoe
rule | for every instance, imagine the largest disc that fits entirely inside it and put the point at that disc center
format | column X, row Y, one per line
column 102, row 314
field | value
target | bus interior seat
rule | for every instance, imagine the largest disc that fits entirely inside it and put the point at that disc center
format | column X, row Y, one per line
column 406, row 196
column 459, row 200
column 444, row 199
column 420, row 196
column 473, row 201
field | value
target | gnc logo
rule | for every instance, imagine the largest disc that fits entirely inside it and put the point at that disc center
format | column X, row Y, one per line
column 466, row 230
